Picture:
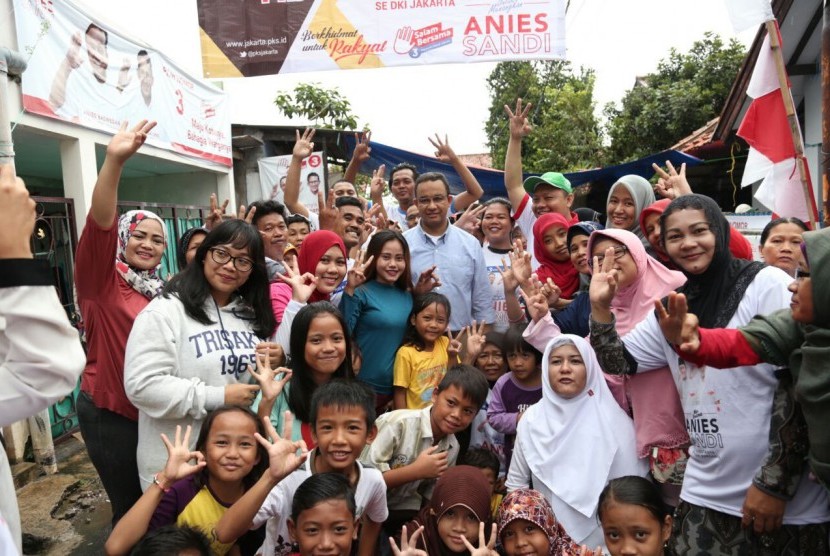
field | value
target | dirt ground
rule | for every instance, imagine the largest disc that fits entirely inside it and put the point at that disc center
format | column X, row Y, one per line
column 66, row 514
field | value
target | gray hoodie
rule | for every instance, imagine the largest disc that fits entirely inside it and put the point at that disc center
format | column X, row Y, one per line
column 176, row 370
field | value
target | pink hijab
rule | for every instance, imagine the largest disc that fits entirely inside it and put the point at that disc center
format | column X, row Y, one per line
column 658, row 414
column 654, row 281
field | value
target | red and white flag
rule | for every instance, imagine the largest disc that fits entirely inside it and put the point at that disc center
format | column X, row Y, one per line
column 746, row 14
column 772, row 156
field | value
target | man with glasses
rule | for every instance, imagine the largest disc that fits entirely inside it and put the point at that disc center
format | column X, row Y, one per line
column 455, row 255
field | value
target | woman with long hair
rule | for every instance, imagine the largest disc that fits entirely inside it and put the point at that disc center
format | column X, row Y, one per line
column 190, row 349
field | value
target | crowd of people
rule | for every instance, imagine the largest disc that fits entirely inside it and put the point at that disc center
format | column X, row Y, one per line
column 439, row 376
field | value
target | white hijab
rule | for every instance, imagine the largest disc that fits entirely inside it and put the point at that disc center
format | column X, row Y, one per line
column 571, row 444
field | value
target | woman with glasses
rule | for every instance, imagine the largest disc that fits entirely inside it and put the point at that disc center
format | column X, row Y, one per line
column 117, row 274
column 190, row 350
column 745, row 490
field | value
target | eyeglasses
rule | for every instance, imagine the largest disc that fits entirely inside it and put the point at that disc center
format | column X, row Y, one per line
column 801, row 274
column 220, row 256
column 619, row 252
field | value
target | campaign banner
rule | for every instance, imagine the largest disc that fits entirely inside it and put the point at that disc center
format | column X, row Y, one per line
column 82, row 72
column 264, row 37
column 274, row 169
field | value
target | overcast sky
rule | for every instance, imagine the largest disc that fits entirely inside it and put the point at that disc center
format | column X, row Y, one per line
column 404, row 105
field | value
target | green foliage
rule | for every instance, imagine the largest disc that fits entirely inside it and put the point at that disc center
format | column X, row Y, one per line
column 325, row 108
column 566, row 134
column 685, row 92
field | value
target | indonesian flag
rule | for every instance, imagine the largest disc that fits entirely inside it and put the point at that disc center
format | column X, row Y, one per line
column 746, row 14
column 772, row 156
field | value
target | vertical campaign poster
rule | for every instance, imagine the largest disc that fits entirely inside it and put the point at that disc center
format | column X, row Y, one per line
column 263, row 37
column 83, row 72
column 274, row 169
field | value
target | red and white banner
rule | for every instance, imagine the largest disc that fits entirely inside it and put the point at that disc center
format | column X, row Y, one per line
column 263, row 37
column 772, row 156
column 82, row 72
column 272, row 173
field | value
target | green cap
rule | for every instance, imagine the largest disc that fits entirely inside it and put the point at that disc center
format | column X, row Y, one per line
column 554, row 179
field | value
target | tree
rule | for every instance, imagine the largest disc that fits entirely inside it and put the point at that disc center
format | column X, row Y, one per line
column 685, row 92
column 325, row 108
column 567, row 135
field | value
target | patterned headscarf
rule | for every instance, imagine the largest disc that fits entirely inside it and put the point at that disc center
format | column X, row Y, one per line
column 146, row 282
column 531, row 506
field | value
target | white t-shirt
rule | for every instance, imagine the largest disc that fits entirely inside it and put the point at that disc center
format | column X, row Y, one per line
column 393, row 211
column 728, row 412
column 370, row 499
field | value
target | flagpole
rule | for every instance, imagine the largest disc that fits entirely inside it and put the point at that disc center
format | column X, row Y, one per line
column 792, row 119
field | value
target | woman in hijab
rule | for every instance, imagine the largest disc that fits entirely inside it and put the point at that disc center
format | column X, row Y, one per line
column 577, row 438
column 731, row 472
column 460, row 503
column 321, row 266
column 798, row 338
column 525, row 519
column 626, row 200
column 550, row 247
column 117, row 261
column 189, row 242
column 650, row 228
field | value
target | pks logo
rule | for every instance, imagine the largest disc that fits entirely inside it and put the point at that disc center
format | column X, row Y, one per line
column 417, row 41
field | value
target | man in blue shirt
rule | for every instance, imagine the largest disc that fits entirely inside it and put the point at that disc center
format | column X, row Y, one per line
column 457, row 255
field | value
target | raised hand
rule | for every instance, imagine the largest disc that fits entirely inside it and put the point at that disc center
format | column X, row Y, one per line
column 475, row 340
column 679, row 326
column 302, row 285
column 454, row 347
column 519, row 125
column 604, row 280
column 551, row 291
column 303, row 146
column 216, row 213
column 520, row 264
column 126, row 142
column 282, row 452
column 362, row 151
column 266, row 376
column 17, row 216
column 470, row 219
column 246, row 214
column 179, row 456
column 378, row 184
column 443, row 151
column 431, row 463
column 408, row 544
column 508, row 278
column 485, row 548
column 357, row 274
column 585, row 551
column 327, row 212
column 536, row 303
column 427, row 281
column 672, row 184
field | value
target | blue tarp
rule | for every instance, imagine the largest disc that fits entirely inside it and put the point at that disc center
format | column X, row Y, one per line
column 492, row 181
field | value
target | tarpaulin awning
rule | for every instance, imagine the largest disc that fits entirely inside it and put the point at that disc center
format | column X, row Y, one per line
column 492, row 181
